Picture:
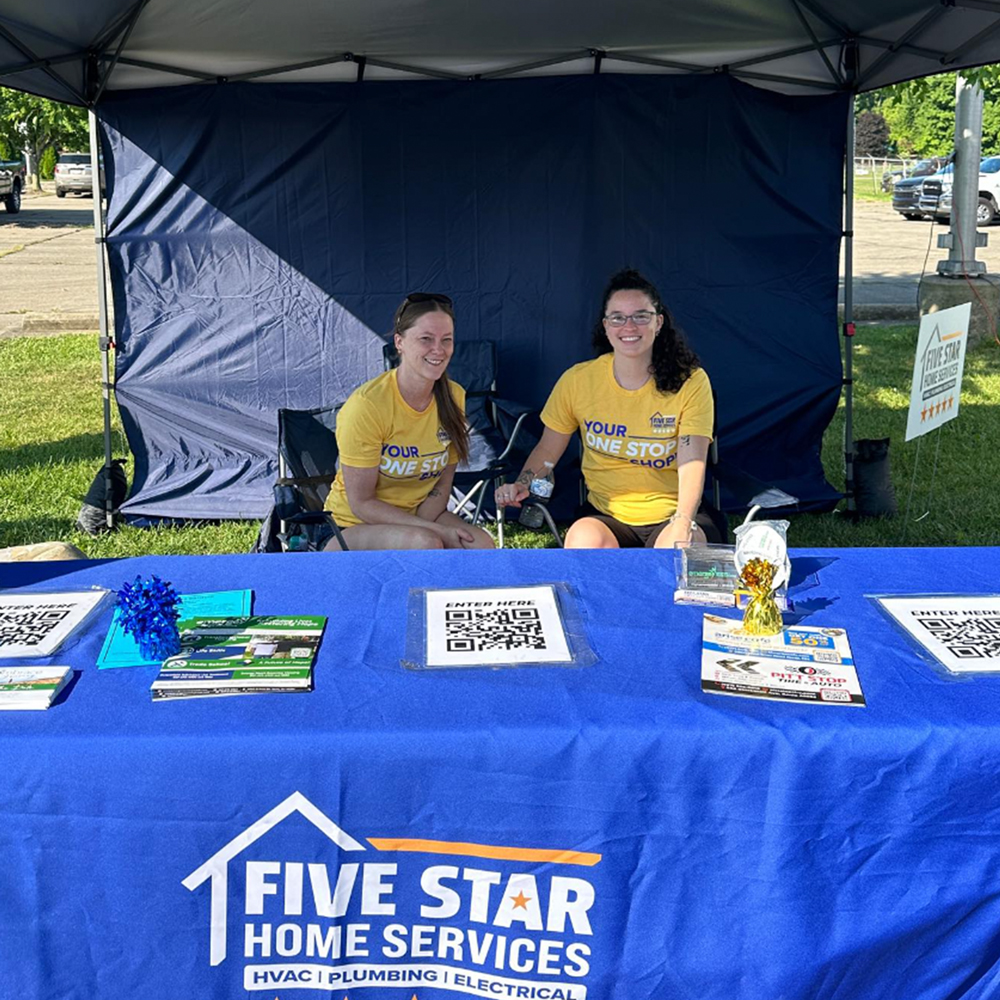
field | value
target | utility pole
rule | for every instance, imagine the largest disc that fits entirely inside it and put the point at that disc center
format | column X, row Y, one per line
column 963, row 239
column 960, row 278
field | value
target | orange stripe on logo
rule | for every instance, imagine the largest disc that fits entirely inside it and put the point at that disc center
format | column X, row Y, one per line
column 538, row 855
column 952, row 336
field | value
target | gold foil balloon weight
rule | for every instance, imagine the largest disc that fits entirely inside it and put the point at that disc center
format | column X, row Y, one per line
column 762, row 616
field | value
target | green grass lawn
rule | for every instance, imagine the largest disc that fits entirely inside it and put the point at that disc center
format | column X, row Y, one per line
column 51, row 447
column 864, row 192
column 947, row 478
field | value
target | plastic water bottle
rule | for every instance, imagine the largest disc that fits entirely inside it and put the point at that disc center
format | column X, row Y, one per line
column 298, row 543
column 540, row 489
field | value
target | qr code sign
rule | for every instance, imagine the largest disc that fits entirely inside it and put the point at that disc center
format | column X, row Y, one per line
column 494, row 627
column 475, row 630
column 966, row 638
column 29, row 628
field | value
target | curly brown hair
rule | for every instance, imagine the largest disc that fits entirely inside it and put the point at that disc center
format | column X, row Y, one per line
column 673, row 360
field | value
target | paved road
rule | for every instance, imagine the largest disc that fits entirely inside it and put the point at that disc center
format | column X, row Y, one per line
column 47, row 267
column 889, row 257
column 47, row 273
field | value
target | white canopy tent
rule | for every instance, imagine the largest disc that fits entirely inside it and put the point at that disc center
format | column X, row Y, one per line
column 69, row 51
column 73, row 52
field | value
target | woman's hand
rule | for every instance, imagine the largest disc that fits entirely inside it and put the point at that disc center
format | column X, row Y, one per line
column 454, row 538
column 547, row 452
column 680, row 528
column 511, row 495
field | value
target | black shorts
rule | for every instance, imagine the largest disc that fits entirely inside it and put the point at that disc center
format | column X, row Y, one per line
column 628, row 536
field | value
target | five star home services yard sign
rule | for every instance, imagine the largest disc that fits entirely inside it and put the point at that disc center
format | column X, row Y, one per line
column 937, row 369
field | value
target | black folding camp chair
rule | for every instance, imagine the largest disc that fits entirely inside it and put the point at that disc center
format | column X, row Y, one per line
column 710, row 517
column 307, row 465
column 494, row 426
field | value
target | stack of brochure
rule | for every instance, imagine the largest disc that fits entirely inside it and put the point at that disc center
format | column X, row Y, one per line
column 256, row 654
column 31, row 687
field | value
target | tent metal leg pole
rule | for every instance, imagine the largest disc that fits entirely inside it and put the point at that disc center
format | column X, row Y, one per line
column 104, row 341
column 849, row 314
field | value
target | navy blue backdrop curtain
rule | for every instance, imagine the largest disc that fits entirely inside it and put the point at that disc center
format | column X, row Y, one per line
column 260, row 237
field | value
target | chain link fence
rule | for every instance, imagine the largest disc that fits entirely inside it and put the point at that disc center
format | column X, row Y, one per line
column 879, row 173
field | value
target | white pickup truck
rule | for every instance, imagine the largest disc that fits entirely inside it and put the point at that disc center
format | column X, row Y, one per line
column 11, row 184
column 935, row 198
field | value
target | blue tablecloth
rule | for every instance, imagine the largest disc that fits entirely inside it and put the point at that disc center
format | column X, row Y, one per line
column 603, row 832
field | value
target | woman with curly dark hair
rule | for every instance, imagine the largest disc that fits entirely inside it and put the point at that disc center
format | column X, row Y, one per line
column 644, row 410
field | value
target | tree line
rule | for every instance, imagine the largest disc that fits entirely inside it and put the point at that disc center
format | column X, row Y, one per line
column 41, row 127
column 917, row 118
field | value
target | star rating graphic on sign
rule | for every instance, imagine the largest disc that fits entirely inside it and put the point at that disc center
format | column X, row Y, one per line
column 936, row 408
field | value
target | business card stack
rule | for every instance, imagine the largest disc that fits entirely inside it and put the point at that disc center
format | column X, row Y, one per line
column 31, row 688
column 248, row 654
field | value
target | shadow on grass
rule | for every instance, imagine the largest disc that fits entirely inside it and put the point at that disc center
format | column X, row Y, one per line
column 30, row 531
column 80, row 447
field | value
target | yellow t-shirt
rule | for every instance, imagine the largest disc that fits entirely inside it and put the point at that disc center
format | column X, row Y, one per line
column 629, row 436
column 377, row 427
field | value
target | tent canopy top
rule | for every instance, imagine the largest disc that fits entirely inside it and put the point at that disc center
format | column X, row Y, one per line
column 75, row 52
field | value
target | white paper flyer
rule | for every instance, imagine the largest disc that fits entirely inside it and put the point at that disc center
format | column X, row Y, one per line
column 798, row 664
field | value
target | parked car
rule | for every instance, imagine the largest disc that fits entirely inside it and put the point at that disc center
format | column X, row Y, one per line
column 11, row 184
column 989, row 194
column 924, row 168
column 932, row 189
column 906, row 197
column 74, row 173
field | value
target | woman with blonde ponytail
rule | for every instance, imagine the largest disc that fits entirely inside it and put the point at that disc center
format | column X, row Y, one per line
column 400, row 437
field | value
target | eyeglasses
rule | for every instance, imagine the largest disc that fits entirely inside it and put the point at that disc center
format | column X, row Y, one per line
column 642, row 318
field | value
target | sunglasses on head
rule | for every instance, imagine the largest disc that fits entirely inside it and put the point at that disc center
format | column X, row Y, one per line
column 414, row 297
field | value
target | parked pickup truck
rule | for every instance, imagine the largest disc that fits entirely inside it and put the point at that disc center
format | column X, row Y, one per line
column 938, row 190
column 11, row 184
column 906, row 197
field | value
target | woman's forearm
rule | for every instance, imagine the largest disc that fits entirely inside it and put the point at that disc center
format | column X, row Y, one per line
column 436, row 502
column 692, row 453
column 690, row 486
column 373, row 511
column 547, row 452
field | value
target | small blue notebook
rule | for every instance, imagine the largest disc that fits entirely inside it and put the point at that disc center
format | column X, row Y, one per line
column 121, row 650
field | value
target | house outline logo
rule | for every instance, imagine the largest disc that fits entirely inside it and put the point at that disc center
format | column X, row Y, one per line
column 661, row 424
column 932, row 340
column 216, row 867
